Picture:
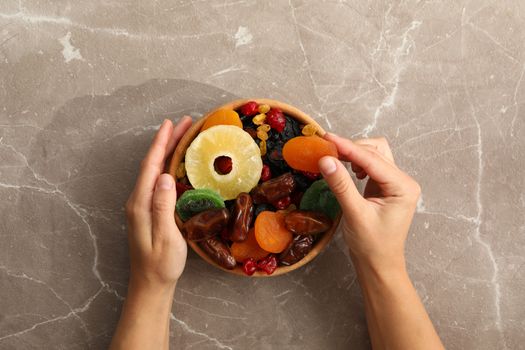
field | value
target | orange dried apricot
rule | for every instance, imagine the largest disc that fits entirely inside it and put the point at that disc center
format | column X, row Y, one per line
column 222, row 117
column 303, row 152
column 248, row 248
column 271, row 232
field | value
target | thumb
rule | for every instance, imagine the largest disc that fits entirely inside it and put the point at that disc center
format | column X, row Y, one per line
column 341, row 184
column 163, row 208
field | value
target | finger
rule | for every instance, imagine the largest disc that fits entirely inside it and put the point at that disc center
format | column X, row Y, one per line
column 180, row 129
column 380, row 144
column 341, row 184
column 375, row 165
column 163, row 207
column 152, row 166
column 361, row 175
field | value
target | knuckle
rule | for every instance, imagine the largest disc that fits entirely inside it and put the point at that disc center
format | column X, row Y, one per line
column 340, row 186
column 161, row 206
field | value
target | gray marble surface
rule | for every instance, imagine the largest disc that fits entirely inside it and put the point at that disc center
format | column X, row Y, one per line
column 84, row 85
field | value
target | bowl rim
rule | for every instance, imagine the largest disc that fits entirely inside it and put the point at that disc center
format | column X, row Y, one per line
column 180, row 152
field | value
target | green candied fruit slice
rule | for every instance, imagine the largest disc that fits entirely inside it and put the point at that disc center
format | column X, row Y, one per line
column 193, row 202
column 319, row 197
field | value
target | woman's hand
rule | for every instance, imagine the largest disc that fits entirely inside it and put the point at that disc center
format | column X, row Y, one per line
column 375, row 225
column 157, row 249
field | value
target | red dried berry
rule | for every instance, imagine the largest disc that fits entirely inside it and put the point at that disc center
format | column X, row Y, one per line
column 268, row 264
column 249, row 266
column 309, row 175
column 249, row 108
column 283, row 203
column 276, row 119
column 181, row 188
column 266, row 173
column 223, row 165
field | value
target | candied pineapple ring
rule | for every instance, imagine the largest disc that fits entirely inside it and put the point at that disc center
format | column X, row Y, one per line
column 229, row 141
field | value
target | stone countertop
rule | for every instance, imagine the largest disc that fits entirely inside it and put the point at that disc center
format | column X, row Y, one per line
column 84, row 85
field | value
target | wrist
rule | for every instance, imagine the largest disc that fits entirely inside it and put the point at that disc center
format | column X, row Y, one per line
column 145, row 288
column 380, row 270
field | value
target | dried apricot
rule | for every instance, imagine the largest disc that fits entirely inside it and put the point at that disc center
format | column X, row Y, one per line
column 222, row 117
column 271, row 232
column 303, row 152
column 249, row 248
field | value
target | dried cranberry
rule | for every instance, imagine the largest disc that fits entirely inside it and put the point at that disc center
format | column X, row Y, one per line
column 276, row 119
column 223, row 165
column 181, row 188
column 283, row 203
column 268, row 264
column 266, row 173
column 249, row 266
column 310, row 175
column 249, row 108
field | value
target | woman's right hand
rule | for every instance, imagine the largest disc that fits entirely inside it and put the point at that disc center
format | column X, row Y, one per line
column 375, row 225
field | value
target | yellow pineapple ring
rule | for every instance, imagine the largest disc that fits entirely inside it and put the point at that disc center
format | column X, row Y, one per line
column 230, row 141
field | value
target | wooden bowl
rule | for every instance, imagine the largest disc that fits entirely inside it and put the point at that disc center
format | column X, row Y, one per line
column 178, row 156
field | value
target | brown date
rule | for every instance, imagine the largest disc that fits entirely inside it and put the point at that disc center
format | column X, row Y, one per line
column 219, row 252
column 300, row 246
column 242, row 217
column 305, row 222
column 274, row 189
column 205, row 224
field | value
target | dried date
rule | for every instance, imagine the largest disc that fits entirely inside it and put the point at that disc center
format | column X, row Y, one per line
column 304, row 222
column 298, row 249
column 206, row 224
column 274, row 189
column 219, row 252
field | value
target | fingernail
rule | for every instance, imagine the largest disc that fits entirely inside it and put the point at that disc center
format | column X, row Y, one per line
column 327, row 165
column 165, row 182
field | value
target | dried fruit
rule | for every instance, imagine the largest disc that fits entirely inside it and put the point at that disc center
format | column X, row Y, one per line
column 249, row 266
column 304, row 222
column 259, row 119
column 181, row 188
column 249, row 108
column 223, row 165
column 310, row 175
column 222, row 117
column 230, row 141
column 268, row 264
column 271, row 232
column 248, row 248
column 283, row 203
column 262, row 148
column 192, row 202
column 262, row 135
column 251, row 132
column 206, row 224
column 318, row 197
column 276, row 119
column 264, row 108
column 298, row 249
column 304, row 152
column 242, row 217
column 274, row 189
column 309, row 130
column 264, row 127
column 219, row 252
column 181, row 171
column 266, row 173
